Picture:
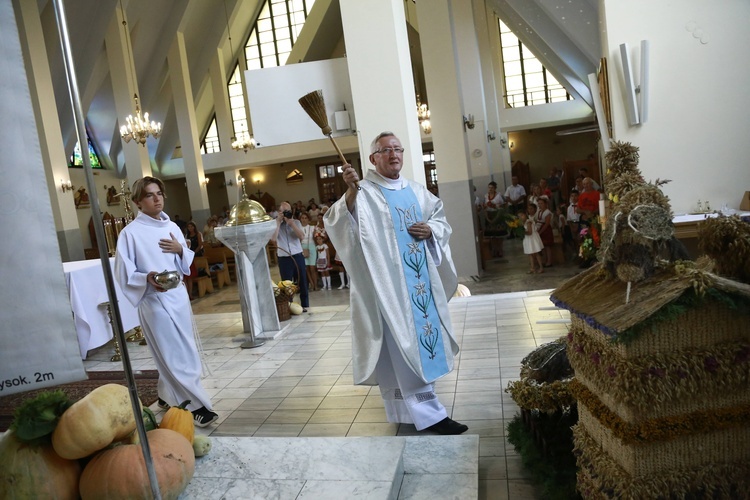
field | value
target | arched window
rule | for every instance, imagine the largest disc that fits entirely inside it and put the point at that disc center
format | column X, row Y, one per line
column 275, row 32
column 237, row 105
column 527, row 81
column 210, row 141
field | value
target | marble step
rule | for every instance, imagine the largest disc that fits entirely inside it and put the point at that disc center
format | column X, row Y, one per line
column 413, row 467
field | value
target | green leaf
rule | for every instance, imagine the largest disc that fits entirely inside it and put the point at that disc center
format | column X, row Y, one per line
column 36, row 418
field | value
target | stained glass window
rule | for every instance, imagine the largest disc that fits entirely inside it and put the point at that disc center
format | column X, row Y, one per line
column 76, row 160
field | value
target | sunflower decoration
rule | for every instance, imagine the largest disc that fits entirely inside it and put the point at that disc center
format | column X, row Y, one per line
column 515, row 226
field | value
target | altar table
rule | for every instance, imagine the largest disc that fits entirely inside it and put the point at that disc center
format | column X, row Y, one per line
column 87, row 289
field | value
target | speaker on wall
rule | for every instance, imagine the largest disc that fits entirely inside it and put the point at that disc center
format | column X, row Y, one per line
column 631, row 105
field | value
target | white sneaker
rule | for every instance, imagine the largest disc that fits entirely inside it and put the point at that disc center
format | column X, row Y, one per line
column 347, row 285
column 341, row 287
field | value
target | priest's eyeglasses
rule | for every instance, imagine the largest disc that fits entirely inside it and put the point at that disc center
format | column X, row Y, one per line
column 388, row 151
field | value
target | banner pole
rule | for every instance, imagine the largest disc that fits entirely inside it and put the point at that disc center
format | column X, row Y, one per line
column 78, row 117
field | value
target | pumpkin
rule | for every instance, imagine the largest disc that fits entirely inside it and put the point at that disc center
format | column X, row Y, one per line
column 29, row 471
column 105, row 415
column 179, row 420
column 295, row 308
column 201, row 445
column 120, row 472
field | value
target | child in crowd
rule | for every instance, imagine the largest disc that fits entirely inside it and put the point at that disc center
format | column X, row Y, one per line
column 567, row 235
column 532, row 243
column 342, row 273
column 322, row 262
column 544, row 228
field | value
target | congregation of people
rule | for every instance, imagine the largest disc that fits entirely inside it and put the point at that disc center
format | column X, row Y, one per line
column 546, row 214
column 320, row 257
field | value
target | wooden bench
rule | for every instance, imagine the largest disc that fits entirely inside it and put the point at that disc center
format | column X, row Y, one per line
column 215, row 255
column 204, row 283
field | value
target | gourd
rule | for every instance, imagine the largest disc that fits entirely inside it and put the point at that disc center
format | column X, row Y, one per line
column 179, row 420
column 120, row 472
column 35, row 471
column 201, row 445
column 295, row 308
column 105, row 415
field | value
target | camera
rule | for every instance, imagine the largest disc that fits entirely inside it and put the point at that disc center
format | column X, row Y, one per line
column 288, row 214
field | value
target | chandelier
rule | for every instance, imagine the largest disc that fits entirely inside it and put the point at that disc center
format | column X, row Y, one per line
column 244, row 143
column 136, row 127
column 423, row 114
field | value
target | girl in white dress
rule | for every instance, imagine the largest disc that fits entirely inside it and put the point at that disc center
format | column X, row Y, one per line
column 322, row 262
column 532, row 243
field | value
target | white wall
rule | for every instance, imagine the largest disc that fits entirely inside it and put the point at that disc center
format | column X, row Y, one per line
column 699, row 95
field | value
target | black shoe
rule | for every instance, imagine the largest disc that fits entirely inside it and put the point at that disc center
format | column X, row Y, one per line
column 204, row 417
column 448, row 427
column 162, row 404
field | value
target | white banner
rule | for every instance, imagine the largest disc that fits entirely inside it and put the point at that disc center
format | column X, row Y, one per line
column 38, row 341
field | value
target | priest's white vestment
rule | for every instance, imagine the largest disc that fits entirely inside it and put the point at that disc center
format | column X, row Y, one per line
column 166, row 317
column 380, row 299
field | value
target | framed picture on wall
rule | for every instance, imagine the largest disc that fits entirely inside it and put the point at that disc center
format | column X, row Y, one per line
column 81, row 198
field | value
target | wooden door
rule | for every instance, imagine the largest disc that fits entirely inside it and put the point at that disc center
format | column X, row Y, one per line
column 522, row 171
column 331, row 185
column 570, row 172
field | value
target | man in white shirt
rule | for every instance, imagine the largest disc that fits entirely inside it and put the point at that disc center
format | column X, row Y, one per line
column 516, row 196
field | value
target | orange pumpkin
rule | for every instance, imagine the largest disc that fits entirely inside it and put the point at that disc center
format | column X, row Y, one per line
column 180, row 420
column 120, row 472
column 28, row 471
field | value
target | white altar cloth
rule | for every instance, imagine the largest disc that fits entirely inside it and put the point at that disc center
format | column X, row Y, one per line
column 87, row 290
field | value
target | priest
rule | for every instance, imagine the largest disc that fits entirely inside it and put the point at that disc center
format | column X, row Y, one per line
column 393, row 237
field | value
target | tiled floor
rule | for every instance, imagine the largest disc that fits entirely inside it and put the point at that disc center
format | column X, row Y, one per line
column 301, row 383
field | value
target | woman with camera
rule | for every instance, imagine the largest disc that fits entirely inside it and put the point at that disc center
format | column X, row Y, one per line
column 288, row 239
column 309, row 250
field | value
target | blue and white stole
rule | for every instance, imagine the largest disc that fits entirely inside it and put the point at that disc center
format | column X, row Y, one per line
column 405, row 211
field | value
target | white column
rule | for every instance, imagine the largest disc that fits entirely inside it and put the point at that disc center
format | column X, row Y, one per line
column 454, row 90
column 50, row 135
column 234, row 191
column 378, row 57
column 124, row 87
column 179, row 76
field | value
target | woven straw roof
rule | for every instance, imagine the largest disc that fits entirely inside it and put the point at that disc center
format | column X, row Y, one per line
column 602, row 299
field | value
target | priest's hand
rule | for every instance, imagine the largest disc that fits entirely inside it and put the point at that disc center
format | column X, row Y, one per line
column 151, row 281
column 350, row 176
column 170, row 245
column 352, row 180
column 420, row 231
